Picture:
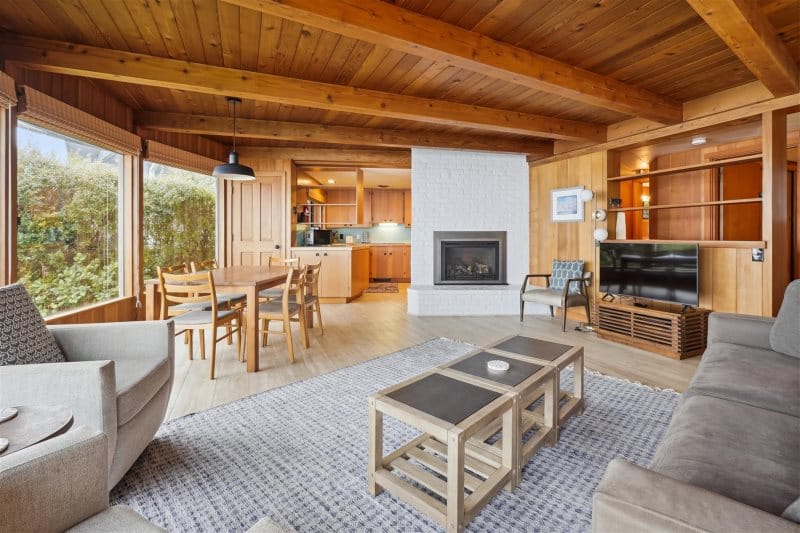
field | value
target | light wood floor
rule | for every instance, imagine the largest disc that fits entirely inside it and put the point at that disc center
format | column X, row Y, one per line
column 377, row 324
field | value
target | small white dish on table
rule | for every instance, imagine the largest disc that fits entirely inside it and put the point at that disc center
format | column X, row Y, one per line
column 496, row 365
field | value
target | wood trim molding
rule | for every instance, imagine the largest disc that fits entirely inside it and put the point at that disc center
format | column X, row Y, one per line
column 46, row 111
column 389, row 25
column 749, row 34
column 330, row 134
column 114, row 65
column 786, row 103
column 8, row 90
column 319, row 157
column 165, row 154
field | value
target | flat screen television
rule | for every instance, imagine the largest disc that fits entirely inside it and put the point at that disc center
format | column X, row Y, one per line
column 667, row 272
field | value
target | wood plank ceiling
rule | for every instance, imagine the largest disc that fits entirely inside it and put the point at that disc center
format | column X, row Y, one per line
column 661, row 46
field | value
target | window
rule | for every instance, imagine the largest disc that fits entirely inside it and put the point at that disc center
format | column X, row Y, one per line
column 68, row 193
column 179, row 216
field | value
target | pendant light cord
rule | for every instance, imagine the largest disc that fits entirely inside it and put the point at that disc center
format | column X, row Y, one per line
column 234, row 124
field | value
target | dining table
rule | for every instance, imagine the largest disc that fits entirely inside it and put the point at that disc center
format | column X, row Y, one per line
column 246, row 279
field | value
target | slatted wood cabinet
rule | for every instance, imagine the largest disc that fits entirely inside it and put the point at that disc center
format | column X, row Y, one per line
column 676, row 335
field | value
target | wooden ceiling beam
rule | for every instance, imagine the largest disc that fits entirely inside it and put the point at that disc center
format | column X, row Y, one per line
column 749, row 35
column 385, row 24
column 323, row 133
column 333, row 157
column 115, row 65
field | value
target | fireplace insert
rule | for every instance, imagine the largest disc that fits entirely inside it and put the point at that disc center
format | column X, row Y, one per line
column 469, row 257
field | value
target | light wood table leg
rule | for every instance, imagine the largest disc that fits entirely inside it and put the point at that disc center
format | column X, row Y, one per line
column 577, row 369
column 251, row 339
column 455, row 481
column 512, row 438
column 375, row 447
column 551, row 395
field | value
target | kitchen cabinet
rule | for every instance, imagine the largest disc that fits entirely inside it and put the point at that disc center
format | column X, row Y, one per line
column 345, row 270
column 390, row 261
column 340, row 209
column 407, row 207
column 387, row 206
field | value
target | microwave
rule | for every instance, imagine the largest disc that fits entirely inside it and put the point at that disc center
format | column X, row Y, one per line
column 318, row 237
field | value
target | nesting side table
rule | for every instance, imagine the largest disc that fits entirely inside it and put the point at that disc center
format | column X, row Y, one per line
column 527, row 382
column 558, row 356
column 449, row 411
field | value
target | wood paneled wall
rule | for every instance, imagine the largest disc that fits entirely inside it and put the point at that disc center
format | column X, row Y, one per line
column 116, row 310
column 565, row 240
column 82, row 93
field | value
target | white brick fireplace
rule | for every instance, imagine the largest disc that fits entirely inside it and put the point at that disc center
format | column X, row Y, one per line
column 455, row 190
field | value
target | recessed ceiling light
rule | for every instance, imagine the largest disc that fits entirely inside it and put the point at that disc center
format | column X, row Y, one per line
column 699, row 140
column 331, row 181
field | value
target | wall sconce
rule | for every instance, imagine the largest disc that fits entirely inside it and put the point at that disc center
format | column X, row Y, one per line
column 587, row 195
column 646, row 203
column 600, row 234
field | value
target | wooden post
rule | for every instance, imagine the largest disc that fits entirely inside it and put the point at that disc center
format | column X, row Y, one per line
column 8, row 196
column 359, row 196
column 455, row 480
column 512, row 436
column 375, row 447
column 776, row 216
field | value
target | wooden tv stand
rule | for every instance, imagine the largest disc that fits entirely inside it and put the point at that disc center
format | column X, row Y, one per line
column 675, row 334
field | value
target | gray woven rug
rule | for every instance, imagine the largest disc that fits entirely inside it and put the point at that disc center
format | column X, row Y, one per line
column 298, row 454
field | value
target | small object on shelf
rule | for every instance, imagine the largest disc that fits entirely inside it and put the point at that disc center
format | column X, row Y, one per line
column 497, row 366
column 615, row 203
column 622, row 227
column 8, row 413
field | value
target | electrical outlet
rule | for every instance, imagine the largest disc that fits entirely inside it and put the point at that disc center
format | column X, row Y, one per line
column 758, row 255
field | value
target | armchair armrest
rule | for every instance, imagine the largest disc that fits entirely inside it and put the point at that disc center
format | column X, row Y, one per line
column 528, row 276
column 583, row 282
column 746, row 330
column 88, row 388
column 630, row 498
column 116, row 340
column 55, row 484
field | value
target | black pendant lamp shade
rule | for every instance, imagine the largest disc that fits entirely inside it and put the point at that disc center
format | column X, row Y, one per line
column 232, row 170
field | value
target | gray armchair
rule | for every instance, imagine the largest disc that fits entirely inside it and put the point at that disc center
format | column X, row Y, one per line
column 60, row 484
column 566, row 286
column 117, row 379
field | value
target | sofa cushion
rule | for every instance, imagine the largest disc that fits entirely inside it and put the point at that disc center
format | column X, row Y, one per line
column 138, row 380
column 785, row 334
column 742, row 452
column 24, row 338
column 761, row 378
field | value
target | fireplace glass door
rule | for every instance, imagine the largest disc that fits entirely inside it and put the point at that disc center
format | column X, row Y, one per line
column 471, row 261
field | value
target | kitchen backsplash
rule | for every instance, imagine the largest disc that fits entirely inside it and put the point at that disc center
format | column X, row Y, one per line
column 376, row 233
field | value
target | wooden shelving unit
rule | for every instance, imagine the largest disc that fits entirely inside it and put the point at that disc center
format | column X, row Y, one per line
column 704, row 244
column 690, row 204
column 690, row 168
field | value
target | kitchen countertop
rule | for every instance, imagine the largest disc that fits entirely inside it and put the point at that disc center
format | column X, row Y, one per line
column 332, row 247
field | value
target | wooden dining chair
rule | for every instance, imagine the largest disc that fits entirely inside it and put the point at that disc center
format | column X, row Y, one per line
column 225, row 300
column 274, row 293
column 209, row 315
column 311, row 294
column 289, row 306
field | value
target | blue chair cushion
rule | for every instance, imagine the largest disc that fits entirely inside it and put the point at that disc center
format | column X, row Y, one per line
column 24, row 337
column 564, row 270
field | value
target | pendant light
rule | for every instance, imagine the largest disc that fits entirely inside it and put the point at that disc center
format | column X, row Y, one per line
column 232, row 170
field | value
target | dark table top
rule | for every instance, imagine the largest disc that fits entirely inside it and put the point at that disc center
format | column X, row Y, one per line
column 545, row 350
column 445, row 398
column 475, row 365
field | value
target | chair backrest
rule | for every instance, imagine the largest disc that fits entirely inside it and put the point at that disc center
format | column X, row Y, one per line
column 293, row 262
column 187, row 288
column 564, row 270
column 201, row 266
column 312, row 279
column 295, row 282
column 181, row 268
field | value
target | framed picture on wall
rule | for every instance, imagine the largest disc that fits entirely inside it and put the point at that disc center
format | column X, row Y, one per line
column 566, row 205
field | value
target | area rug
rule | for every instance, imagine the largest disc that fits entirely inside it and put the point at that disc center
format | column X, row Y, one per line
column 298, row 454
column 382, row 288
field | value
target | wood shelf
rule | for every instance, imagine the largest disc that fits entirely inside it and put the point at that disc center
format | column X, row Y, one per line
column 692, row 204
column 690, row 168
column 703, row 244
column 327, row 205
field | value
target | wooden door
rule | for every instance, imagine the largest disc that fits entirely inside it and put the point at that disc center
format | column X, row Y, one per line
column 379, row 262
column 406, row 262
column 387, row 206
column 396, row 207
column 740, row 222
column 256, row 221
column 396, row 262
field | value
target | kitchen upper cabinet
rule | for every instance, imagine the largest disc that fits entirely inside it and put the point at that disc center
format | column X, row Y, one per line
column 387, row 206
column 407, row 206
column 367, row 210
column 340, row 209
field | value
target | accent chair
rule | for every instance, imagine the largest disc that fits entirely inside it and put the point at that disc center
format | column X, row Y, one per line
column 565, row 286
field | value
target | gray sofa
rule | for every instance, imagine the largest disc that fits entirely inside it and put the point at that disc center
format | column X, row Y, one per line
column 731, row 457
column 117, row 379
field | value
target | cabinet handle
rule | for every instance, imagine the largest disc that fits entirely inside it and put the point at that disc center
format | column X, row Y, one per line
column 325, row 254
column 317, row 254
column 390, row 253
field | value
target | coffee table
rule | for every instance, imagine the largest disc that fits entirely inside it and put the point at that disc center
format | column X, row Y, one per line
column 438, row 472
column 527, row 382
column 559, row 356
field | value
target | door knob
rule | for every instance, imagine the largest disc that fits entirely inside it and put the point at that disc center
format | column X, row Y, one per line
column 277, row 246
